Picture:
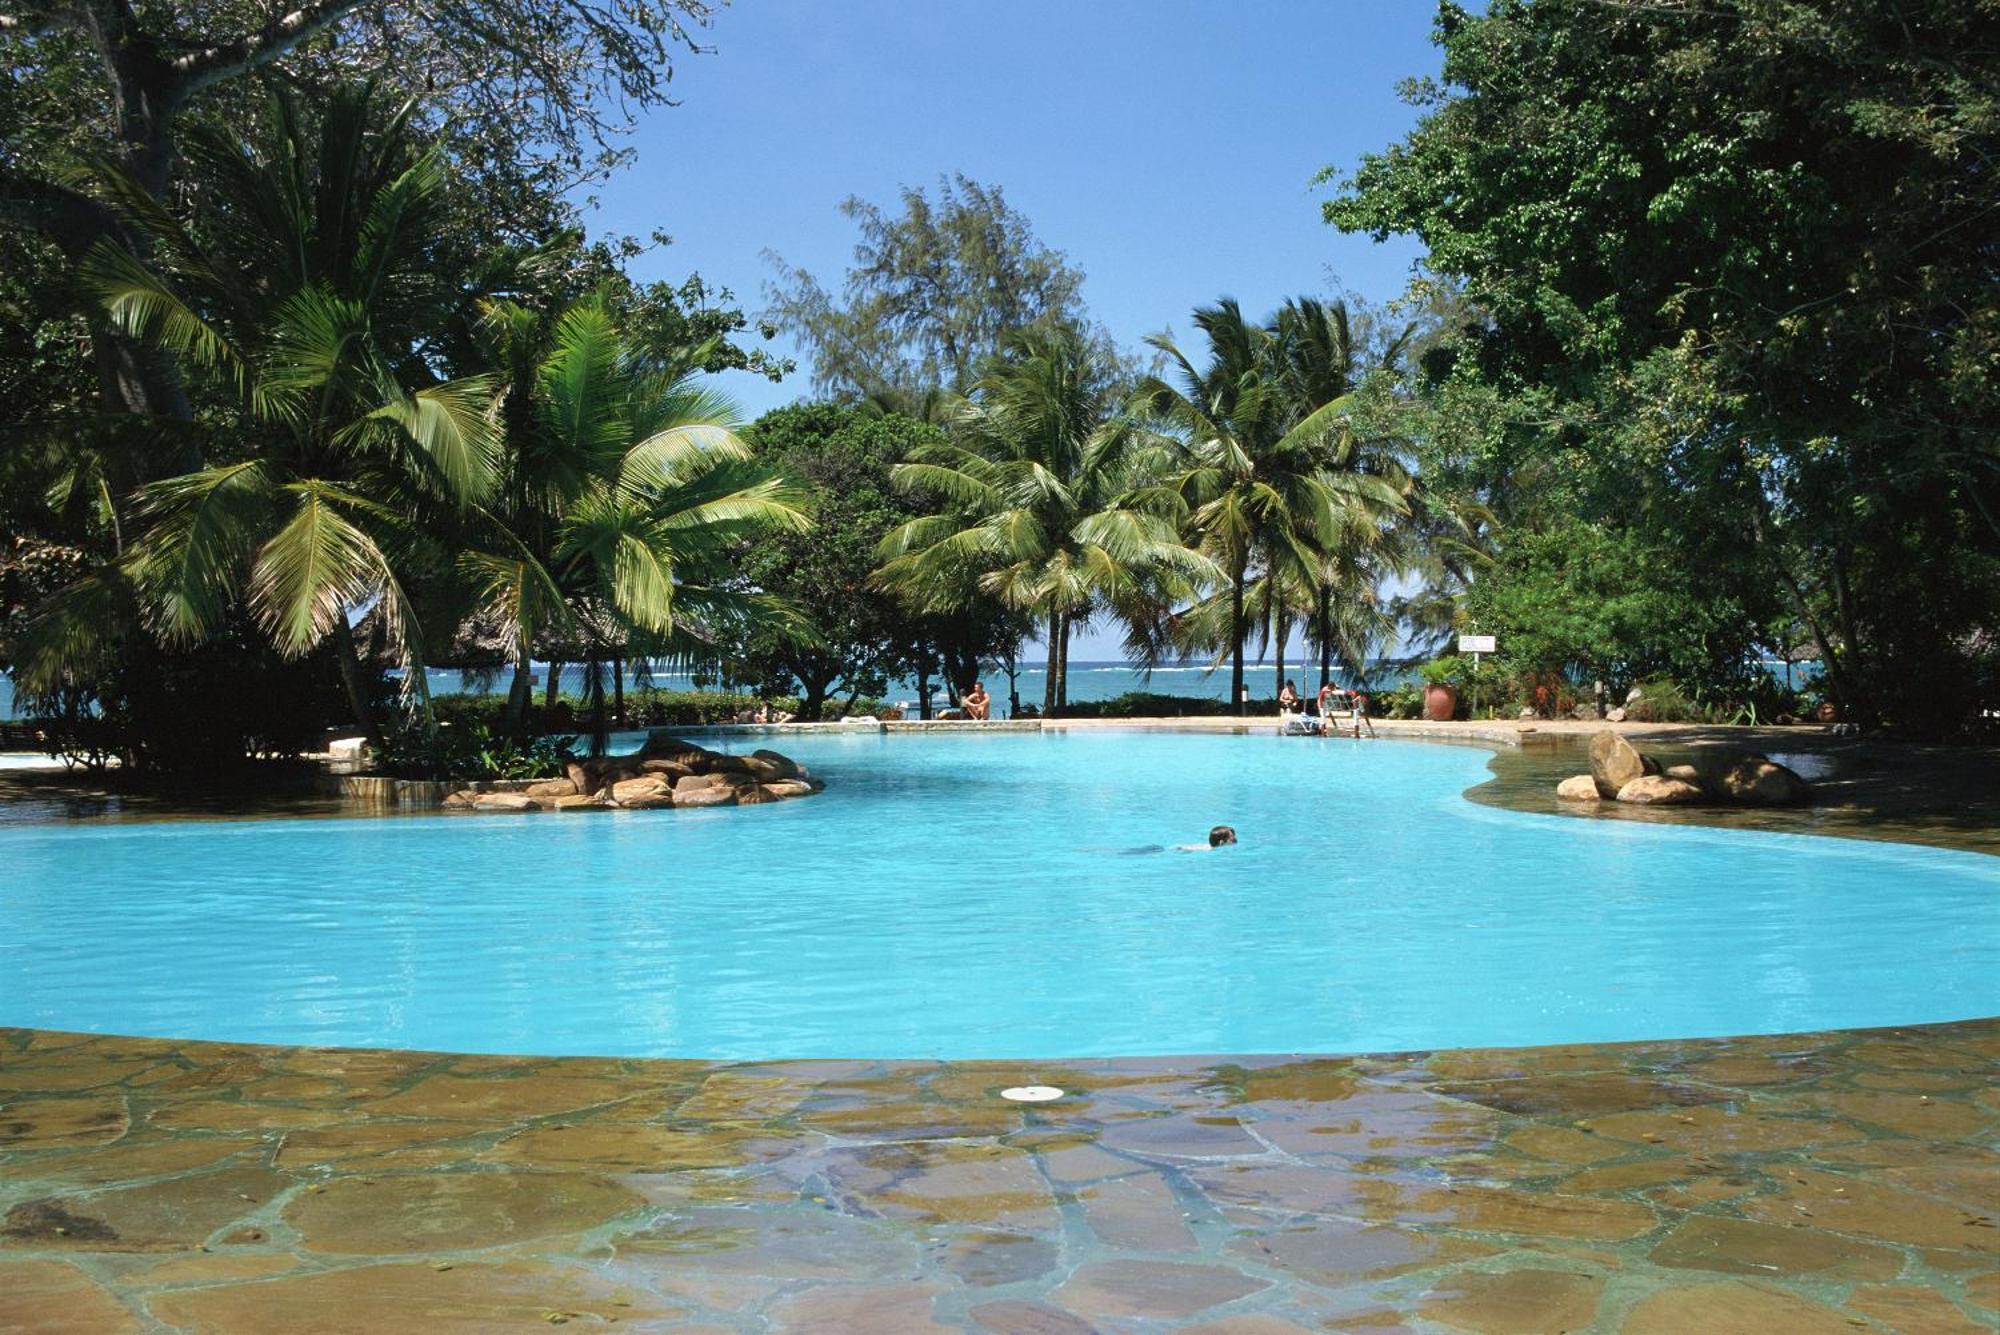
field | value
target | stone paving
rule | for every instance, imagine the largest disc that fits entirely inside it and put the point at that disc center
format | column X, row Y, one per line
column 1802, row 1184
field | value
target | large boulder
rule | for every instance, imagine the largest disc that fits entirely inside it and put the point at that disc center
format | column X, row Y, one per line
column 768, row 765
column 505, row 802
column 788, row 788
column 1657, row 790
column 750, row 794
column 662, row 746
column 670, row 770
column 551, row 788
column 1758, row 782
column 706, row 797
column 578, row 802
column 646, row 790
column 601, row 772
column 460, row 801
column 699, row 783
column 1579, row 788
column 1614, row 762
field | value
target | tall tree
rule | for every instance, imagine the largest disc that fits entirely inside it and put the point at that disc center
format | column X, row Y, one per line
column 528, row 96
column 1259, row 482
column 1733, row 264
column 303, row 289
column 932, row 293
column 1036, row 489
column 861, row 636
column 625, row 493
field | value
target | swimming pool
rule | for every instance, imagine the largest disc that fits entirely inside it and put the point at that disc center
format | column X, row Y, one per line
column 970, row 895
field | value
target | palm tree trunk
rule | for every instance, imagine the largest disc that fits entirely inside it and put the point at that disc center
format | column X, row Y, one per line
column 1278, row 643
column 554, row 692
column 1236, row 637
column 520, row 694
column 618, row 688
column 1050, row 668
column 924, row 683
column 1325, row 619
column 1062, row 681
column 354, row 681
column 599, row 736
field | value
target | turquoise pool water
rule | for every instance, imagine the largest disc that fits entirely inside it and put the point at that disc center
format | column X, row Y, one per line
column 978, row 896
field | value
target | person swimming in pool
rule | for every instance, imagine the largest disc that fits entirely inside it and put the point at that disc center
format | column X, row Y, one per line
column 1219, row 837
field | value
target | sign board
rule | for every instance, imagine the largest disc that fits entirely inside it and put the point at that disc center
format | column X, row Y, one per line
column 1477, row 644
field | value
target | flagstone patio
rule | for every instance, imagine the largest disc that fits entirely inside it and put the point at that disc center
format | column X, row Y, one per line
column 1817, row 1183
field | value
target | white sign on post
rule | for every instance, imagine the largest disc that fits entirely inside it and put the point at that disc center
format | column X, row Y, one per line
column 1477, row 644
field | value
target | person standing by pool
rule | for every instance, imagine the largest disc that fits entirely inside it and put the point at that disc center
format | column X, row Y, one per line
column 978, row 704
column 1358, row 712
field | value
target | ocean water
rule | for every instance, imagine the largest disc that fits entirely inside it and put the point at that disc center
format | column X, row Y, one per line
column 1087, row 681
column 998, row 895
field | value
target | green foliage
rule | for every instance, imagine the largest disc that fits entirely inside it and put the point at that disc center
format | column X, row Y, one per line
column 1662, row 701
column 1148, row 704
column 200, row 713
column 1591, row 603
column 1403, row 702
column 1263, row 467
column 933, row 292
column 856, row 635
column 1034, row 502
column 1450, row 670
column 1727, row 291
column 472, row 750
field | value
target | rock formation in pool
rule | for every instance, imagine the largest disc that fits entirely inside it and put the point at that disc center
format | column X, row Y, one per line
column 1621, row 772
column 666, row 772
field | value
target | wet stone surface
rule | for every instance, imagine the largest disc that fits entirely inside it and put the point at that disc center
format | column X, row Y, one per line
column 1825, row 1182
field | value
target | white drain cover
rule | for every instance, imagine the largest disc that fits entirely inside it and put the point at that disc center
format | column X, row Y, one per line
column 1032, row 1093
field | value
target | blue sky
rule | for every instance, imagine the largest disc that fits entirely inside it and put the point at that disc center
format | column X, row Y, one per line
column 1167, row 147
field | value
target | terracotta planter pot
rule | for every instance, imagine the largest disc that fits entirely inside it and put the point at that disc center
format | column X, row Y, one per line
column 1440, row 703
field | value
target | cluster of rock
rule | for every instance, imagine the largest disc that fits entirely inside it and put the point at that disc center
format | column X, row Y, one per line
column 665, row 772
column 1621, row 772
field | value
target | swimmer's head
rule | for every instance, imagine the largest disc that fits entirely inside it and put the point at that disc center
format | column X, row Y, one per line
column 1220, row 835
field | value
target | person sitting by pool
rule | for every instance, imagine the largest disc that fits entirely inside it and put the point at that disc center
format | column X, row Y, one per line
column 1288, row 699
column 978, row 704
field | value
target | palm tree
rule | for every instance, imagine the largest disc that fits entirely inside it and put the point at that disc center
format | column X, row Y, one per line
column 1317, row 361
column 303, row 290
column 1036, row 486
column 1257, row 476
column 624, row 486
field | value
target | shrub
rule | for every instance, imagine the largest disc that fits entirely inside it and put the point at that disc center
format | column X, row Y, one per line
column 472, row 750
column 1665, row 702
column 1406, row 701
column 1450, row 670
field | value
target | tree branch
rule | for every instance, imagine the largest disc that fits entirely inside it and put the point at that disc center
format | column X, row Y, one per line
column 196, row 71
column 72, row 220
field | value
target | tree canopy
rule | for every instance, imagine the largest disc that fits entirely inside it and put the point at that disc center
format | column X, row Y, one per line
column 932, row 293
column 1729, row 275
